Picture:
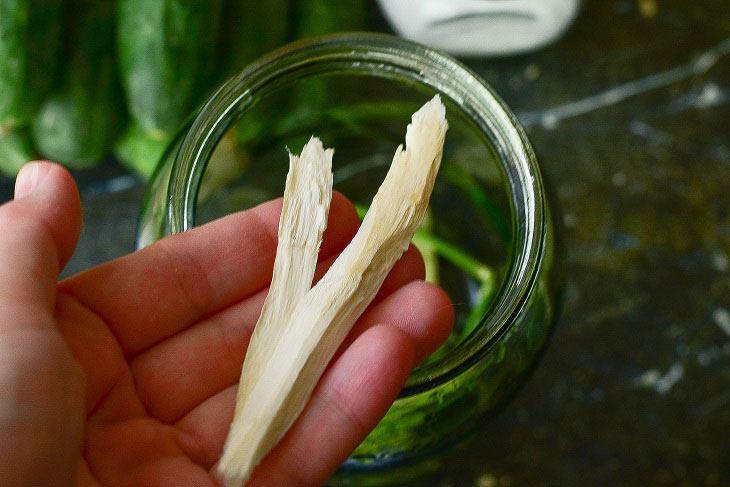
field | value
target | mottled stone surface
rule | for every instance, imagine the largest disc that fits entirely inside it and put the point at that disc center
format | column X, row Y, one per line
column 629, row 114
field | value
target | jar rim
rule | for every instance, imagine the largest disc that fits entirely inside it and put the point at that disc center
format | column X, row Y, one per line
column 394, row 58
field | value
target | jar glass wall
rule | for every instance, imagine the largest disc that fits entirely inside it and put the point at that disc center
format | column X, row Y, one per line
column 488, row 239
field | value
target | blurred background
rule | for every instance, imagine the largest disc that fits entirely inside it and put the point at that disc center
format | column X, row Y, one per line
column 626, row 103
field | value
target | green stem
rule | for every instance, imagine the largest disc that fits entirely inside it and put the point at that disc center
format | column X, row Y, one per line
column 428, row 252
column 480, row 309
column 456, row 256
column 450, row 252
column 479, row 199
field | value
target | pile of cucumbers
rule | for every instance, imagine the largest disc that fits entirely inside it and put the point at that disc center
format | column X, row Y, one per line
column 83, row 79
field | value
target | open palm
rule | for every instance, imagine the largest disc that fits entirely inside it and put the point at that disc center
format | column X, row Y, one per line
column 126, row 374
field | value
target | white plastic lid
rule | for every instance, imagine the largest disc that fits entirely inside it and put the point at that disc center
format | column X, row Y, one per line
column 481, row 27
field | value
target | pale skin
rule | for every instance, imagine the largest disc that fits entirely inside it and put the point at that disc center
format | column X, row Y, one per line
column 126, row 373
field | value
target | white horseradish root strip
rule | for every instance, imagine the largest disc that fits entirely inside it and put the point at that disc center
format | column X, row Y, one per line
column 305, row 206
column 292, row 358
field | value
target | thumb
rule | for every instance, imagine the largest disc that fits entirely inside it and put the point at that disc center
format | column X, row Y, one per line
column 39, row 232
column 46, row 193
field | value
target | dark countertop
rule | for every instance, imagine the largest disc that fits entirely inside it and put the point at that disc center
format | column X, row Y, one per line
column 630, row 117
column 629, row 114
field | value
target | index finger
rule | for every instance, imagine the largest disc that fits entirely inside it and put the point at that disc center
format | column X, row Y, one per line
column 153, row 293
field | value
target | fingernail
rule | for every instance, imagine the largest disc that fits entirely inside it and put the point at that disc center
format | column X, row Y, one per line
column 30, row 178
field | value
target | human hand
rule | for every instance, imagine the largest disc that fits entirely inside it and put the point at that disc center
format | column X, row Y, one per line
column 126, row 374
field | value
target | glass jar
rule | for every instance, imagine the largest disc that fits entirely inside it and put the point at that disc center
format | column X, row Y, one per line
column 488, row 240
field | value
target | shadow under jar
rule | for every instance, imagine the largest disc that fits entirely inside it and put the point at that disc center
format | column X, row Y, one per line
column 488, row 238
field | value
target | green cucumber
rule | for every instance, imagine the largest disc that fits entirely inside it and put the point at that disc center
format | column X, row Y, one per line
column 77, row 125
column 29, row 52
column 140, row 152
column 165, row 50
column 15, row 150
column 250, row 29
column 318, row 17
